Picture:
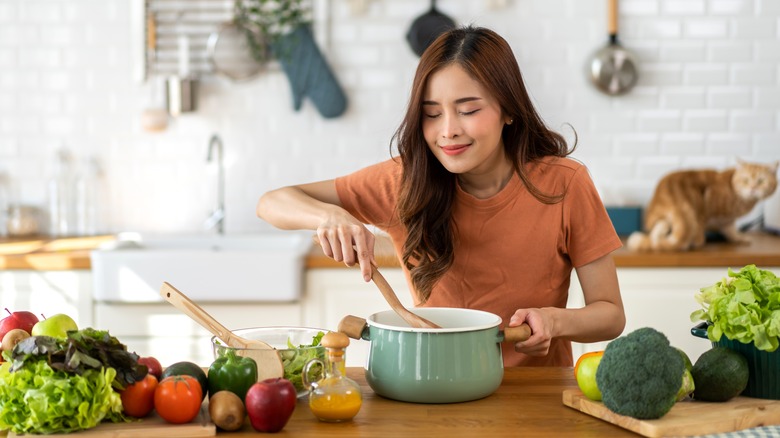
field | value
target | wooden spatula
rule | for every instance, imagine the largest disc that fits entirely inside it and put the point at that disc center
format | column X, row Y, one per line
column 411, row 318
column 269, row 364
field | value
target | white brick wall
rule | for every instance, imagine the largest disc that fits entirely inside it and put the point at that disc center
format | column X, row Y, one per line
column 709, row 91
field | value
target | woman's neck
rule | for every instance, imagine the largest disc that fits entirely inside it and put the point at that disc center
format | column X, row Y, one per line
column 487, row 184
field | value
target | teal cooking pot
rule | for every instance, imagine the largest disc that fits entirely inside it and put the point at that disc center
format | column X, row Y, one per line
column 458, row 362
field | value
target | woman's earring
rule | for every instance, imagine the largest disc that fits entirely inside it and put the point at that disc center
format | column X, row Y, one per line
column 510, row 121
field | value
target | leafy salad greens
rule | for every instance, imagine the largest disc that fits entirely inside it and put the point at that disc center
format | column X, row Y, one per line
column 295, row 357
column 65, row 385
column 745, row 306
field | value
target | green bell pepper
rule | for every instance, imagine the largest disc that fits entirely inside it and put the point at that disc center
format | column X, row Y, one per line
column 232, row 373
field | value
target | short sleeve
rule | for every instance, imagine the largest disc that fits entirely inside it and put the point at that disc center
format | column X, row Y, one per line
column 371, row 194
column 588, row 231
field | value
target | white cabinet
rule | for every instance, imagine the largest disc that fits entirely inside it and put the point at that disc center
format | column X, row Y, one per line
column 332, row 294
column 48, row 293
column 163, row 331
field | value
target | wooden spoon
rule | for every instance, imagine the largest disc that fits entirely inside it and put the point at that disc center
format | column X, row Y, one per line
column 411, row 318
column 269, row 364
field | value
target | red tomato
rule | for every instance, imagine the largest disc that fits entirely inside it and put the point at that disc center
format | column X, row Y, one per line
column 178, row 398
column 138, row 398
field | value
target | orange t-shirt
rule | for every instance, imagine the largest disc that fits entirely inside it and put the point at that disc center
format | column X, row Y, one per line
column 512, row 251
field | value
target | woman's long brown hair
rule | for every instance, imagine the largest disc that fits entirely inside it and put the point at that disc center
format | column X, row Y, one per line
column 427, row 191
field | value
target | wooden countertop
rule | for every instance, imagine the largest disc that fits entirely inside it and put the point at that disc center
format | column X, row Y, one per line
column 73, row 253
column 46, row 254
column 763, row 251
column 528, row 403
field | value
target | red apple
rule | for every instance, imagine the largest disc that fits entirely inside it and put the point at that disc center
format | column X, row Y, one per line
column 22, row 320
column 153, row 365
column 270, row 403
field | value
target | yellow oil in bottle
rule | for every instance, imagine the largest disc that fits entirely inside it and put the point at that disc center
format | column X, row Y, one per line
column 336, row 397
column 336, row 406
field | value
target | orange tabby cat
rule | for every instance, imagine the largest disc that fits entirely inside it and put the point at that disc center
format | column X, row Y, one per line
column 686, row 204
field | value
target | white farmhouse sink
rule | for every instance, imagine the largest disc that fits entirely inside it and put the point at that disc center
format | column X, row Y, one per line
column 253, row 267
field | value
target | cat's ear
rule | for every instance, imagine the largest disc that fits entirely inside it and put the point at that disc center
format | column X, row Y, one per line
column 740, row 162
column 774, row 166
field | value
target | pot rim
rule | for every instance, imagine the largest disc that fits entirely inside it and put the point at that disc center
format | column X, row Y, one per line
column 436, row 314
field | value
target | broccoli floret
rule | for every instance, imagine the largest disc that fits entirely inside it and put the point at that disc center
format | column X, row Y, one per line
column 640, row 374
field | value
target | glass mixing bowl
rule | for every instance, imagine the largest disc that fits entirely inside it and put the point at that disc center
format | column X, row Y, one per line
column 294, row 345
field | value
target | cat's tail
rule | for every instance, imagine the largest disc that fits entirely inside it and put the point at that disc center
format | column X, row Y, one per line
column 665, row 235
column 639, row 241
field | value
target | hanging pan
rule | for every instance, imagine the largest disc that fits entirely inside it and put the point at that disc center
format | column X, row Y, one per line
column 613, row 69
column 426, row 28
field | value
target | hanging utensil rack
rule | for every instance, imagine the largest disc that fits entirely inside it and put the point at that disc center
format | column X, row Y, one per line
column 171, row 19
column 158, row 24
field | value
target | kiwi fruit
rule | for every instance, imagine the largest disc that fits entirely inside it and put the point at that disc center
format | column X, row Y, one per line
column 227, row 410
column 13, row 337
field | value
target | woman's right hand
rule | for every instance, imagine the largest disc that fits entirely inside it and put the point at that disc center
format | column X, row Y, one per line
column 316, row 206
column 344, row 238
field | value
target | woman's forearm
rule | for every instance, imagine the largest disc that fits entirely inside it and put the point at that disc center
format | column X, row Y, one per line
column 291, row 208
column 596, row 322
column 603, row 317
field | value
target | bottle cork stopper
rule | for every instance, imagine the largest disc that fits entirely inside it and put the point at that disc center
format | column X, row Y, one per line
column 335, row 340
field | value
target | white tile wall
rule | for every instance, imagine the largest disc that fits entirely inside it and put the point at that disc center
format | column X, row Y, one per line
column 709, row 91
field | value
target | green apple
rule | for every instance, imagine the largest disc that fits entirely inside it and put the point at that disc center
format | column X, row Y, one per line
column 56, row 326
column 585, row 373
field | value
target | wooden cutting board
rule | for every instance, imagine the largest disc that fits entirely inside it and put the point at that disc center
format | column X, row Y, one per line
column 686, row 417
column 151, row 426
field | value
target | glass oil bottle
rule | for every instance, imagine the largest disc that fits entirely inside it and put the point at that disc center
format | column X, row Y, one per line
column 335, row 397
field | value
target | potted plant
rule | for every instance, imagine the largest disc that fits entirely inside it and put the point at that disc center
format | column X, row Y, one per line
column 742, row 313
column 266, row 22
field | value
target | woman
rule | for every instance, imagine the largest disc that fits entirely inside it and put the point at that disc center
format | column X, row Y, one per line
column 482, row 205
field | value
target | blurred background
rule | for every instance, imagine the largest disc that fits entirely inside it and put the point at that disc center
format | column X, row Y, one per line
column 74, row 76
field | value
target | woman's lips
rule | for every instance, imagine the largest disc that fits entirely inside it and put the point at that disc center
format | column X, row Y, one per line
column 455, row 149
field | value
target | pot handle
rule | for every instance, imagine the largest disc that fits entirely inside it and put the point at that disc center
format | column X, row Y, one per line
column 700, row 330
column 354, row 327
column 517, row 334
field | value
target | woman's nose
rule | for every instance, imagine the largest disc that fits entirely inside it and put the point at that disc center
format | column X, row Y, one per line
column 450, row 127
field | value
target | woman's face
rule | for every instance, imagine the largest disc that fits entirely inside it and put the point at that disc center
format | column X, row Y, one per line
column 462, row 123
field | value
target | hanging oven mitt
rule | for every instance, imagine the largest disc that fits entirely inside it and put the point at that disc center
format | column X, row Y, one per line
column 309, row 73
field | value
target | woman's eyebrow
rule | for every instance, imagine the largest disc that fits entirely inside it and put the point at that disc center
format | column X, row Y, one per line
column 457, row 101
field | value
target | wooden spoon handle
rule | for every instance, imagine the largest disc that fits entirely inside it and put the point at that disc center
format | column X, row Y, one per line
column 517, row 334
column 183, row 303
column 392, row 299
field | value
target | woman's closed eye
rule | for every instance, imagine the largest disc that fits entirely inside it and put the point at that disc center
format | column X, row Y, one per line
column 462, row 113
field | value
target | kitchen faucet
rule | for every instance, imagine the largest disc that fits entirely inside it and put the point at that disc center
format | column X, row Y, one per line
column 217, row 217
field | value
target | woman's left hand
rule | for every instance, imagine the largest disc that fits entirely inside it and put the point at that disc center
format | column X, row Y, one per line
column 542, row 325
